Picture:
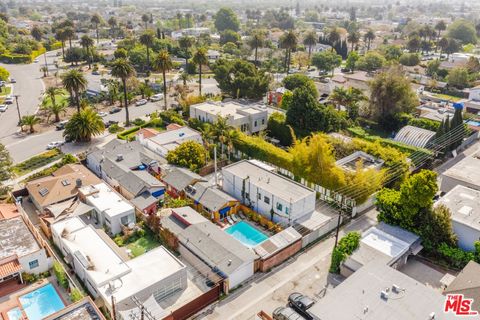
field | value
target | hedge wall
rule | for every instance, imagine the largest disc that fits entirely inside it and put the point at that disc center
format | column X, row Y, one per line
column 13, row 58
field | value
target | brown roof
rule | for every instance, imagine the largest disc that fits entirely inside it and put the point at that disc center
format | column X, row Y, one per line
column 61, row 185
column 148, row 132
column 173, row 126
column 10, row 266
column 8, row 210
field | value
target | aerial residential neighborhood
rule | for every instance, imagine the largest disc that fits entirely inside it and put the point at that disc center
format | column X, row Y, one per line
column 239, row 159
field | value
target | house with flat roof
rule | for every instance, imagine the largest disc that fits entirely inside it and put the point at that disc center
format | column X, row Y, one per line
column 220, row 254
column 465, row 172
column 277, row 198
column 385, row 243
column 20, row 251
column 464, row 205
column 378, row 292
column 163, row 142
column 62, row 185
column 467, row 282
column 85, row 309
column 248, row 118
column 349, row 163
column 110, row 209
column 106, row 273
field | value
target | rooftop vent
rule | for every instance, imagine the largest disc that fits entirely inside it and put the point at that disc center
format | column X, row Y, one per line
column 181, row 134
column 384, row 295
column 78, row 183
column 119, row 157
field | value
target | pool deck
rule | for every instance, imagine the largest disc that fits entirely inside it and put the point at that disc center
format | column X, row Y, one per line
column 10, row 297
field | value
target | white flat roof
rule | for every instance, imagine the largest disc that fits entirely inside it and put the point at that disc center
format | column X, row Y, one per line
column 108, row 201
column 107, row 265
column 171, row 136
column 466, row 170
column 227, row 109
column 146, row 270
column 464, row 205
column 383, row 242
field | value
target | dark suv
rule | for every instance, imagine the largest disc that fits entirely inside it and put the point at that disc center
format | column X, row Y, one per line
column 301, row 304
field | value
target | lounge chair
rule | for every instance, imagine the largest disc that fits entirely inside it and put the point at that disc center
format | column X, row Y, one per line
column 234, row 218
column 242, row 215
column 230, row 220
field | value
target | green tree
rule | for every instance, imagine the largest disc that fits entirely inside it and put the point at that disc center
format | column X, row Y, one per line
column 189, row 154
column 76, row 295
column 288, row 41
column 440, row 26
column 69, row 33
column 147, row 39
column 433, row 67
column 83, row 125
column 409, row 59
column 371, row 61
column 4, row 74
column 310, row 41
column 123, row 70
column 345, row 247
column 278, row 129
column 294, row 81
column 87, row 43
column 229, row 36
column 163, row 63
column 96, row 20
column 145, row 19
column 458, row 78
column 75, row 83
column 30, row 121
column 120, row 53
column 351, row 61
column 36, row 33
column 240, row 79
column 463, row 31
column 349, row 98
column 226, row 19
column 368, row 37
column 326, row 61
column 390, row 94
column 112, row 22
column 61, row 36
column 200, row 59
column 5, row 163
column 186, row 43
column 256, row 40
column 354, row 39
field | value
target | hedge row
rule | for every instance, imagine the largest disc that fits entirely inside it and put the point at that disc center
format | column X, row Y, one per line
column 13, row 58
column 154, row 123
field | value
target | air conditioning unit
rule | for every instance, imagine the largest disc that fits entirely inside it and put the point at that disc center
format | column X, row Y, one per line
column 384, row 294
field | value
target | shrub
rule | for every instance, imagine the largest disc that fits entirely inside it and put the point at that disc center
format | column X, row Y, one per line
column 170, row 116
column 278, row 129
column 60, row 274
column 29, row 277
column 139, row 122
column 345, row 247
column 76, row 295
column 455, row 257
column 114, row 128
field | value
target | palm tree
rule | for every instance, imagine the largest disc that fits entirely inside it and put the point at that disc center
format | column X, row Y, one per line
column 147, row 39
column 257, row 40
column 442, row 44
column 74, row 81
column 369, row 37
column 145, row 19
column 288, row 41
column 57, row 108
column 163, row 63
column 36, row 33
column 353, row 37
column 69, row 34
column 52, row 93
column 86, row 42
column 185, row 43
column 31, row 121
column 309, row 41
column 333, row 37
column 96, row 20
column 185, row 77
column 188, row 18
column 123, row 70
column 112, row 86
column 230, row 137
column 440, row 26
column 112, row 22
column 83, row 125
column 61, row 36
column 200, row 59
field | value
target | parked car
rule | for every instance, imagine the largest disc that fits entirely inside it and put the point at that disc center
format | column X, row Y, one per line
column 115, row 110
column 102, row 114
column 9, row 100
column 36, row 60
column 95, row 73
column 109, row 123
column 54, row 144
column 61, row 125
column 156, row 97
column 141, row 102
column 301, row 304
column 3, row 107
column 285, row 313
column 13, row 80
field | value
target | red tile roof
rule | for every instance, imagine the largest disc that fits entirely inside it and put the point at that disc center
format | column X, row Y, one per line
column 9, row 267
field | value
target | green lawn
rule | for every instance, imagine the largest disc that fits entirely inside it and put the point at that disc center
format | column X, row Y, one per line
column 36, row 162
column 59, row 98
column 143, row 244
column 447, row 97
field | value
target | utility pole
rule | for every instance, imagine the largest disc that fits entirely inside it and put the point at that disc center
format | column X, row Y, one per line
column 18, row 109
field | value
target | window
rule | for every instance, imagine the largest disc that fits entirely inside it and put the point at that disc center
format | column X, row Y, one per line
column 125, row 220
column 247, row 195
column 255, row 123
column 266, row 199
column 279, row 206
column 259, row 196
column 263, row 121
column 286, row 210
column 33, row 264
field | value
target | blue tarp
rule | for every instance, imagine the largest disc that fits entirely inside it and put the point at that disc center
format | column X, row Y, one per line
column 158, row 193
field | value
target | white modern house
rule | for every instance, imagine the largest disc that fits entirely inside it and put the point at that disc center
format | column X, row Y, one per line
column 248, row 118
column 110, row 209
column 163, row 142
column 464, row 205
column 105, row 272
column 268, row 193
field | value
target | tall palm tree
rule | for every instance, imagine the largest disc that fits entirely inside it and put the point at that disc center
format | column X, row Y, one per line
column 288, row 41
column 83, row 125
column 123, row 70
column 61, row 36
column 369, row 37
column 186, row 43
column 163, row 63
column 112, row 87
column 200, row 59
column 74, row 81
column 87, row 43
column 57, row 108
column 442, row 44
column 353, row 37
column 147, row 39
column 52, row 93
column 256, row 40
column 30, row 121
column 230, row 137
column 333, row 37
column 145, row 19
column 112, row 22
column 309, row 41
column 440, row 26
column 69, row 34
column 220, row 131
column 185, row 77
column 96, row 20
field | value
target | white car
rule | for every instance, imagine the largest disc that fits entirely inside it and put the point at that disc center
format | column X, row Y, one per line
column 36, row 60
column 9, row 100
column 156, row 97
column 103, row 114
column 3, row 107
column 141, row 102
column 55, row 144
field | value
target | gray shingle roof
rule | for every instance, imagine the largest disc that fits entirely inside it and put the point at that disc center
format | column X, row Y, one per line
column 138, row 181
column 144, row 200
column 179, row 178
column 210, row 196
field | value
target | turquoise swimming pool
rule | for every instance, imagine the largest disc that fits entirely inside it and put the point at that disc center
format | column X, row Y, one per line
column 14, row 314
column 41, row 302
column 246, row 234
